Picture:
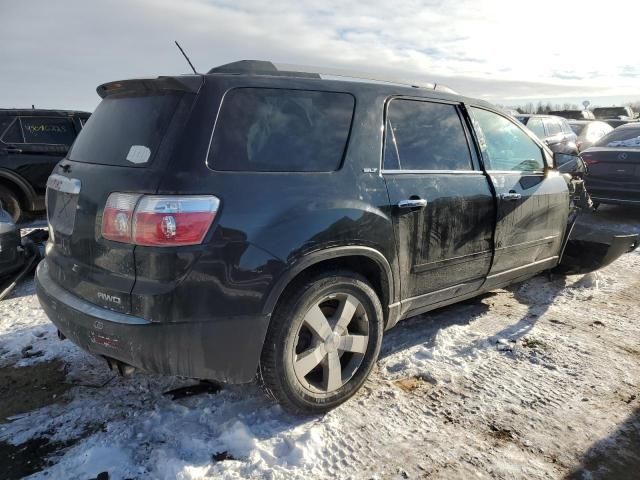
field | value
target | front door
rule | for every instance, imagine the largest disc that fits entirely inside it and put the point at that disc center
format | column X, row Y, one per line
column 441, row 202
column 533, row 200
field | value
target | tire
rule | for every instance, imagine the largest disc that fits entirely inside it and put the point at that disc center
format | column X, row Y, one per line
column 10, row 203
column 298, row 339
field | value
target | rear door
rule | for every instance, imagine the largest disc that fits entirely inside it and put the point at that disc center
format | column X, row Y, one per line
column 123, row 148
column 533, row 201
column 441, row 202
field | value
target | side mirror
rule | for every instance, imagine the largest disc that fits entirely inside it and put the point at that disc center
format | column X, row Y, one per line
column 569, row 163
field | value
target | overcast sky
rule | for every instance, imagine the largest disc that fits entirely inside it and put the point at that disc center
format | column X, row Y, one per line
column 54, row 54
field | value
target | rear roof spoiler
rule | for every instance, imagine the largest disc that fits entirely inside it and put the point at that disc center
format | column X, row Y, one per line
column 150, row 86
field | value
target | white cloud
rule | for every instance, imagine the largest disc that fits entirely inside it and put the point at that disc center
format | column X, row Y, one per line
column 54, row 54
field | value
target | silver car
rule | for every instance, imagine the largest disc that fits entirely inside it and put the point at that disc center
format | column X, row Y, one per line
column 588, row 132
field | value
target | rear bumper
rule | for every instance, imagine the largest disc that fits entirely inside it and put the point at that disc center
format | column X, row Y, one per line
column 223, row 349
column 597, row 198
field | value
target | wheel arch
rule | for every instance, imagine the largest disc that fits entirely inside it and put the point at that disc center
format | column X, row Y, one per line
column 366, row 261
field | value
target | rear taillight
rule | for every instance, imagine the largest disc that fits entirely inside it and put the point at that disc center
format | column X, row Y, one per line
column 588, row 159
column 162, row 221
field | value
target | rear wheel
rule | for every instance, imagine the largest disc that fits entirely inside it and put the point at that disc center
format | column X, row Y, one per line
column 9, row 203
column 322, row 342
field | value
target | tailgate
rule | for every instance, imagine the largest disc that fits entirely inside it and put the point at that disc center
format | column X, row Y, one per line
column 80, row 260
column 124, row 147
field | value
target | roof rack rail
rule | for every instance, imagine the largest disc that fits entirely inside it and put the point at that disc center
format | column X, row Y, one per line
column 262, row 67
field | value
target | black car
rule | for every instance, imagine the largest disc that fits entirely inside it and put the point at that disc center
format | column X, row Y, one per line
column 614, row 167
column 574, row 114
column 553, row 131
column 254, row 221
column 32, row 142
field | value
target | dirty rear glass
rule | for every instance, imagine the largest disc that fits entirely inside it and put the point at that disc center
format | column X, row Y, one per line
column 621, row 138
column 125, row 131
column 278, row 130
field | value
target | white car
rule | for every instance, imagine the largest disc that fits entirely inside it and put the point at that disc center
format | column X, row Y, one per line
column 588, row 132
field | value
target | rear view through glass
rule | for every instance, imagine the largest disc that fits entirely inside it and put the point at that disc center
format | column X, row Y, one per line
column 274, row 130
column 125, row 131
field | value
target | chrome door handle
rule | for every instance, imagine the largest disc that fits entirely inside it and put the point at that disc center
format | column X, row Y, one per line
column 413, row 203
column 511, row 196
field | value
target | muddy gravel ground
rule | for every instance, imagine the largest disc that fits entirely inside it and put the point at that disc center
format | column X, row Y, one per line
column 537, row 381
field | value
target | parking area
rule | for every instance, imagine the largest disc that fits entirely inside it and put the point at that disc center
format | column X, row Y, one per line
column 539, row 380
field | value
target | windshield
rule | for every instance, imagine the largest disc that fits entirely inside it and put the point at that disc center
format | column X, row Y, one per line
column 125, row 131
column 621, row 138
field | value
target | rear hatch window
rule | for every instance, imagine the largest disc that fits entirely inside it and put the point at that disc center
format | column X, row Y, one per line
column 278, row 130
column 125, row 131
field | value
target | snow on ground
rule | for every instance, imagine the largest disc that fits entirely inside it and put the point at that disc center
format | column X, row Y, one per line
column 540, row 380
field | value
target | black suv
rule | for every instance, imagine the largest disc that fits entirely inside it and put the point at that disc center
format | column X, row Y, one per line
column 32, row 142
column 254, row 221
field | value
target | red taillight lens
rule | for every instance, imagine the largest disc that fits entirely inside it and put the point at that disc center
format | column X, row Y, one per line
column 160, row 221
column 589, row 160
column 118, row 215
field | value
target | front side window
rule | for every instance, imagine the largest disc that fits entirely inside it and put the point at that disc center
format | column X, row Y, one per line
column 278, row 130
column 504, row 145
column 423, row 135
column 51, row 131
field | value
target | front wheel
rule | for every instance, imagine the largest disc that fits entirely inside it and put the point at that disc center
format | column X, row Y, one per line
column 322, row 343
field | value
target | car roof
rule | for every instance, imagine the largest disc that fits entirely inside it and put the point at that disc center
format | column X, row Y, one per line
column 538, row 115
column 332, row 78
column 41, row 112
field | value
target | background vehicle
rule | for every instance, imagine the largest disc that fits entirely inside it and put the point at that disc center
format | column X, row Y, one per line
column 253, row 219
column 620, row 113
column 614, row 167
column 32, row 142
column 574, row 114
column 555, row 132
column 588, row 132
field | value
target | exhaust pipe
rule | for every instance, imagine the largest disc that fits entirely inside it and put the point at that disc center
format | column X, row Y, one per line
column 123, row 369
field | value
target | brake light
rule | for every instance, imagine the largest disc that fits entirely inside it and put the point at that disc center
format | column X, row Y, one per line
column 162, row 221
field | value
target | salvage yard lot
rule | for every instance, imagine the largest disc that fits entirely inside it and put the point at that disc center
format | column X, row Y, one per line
column 540, row 380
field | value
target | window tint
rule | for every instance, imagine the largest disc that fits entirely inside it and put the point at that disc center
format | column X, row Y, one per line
column 13, row 134
column 553, row 126
column 125, row 131
column 535, row 125
column 4, row 123
column 425, row 136
column 262, row 129
column 504, row 145
column 52, row 131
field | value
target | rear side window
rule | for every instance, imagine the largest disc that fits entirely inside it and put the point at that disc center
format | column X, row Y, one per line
column 50, row 131
column 279, row 130
column 535, row 125
column 125, row 131
column 425, row 136
column 553, row 126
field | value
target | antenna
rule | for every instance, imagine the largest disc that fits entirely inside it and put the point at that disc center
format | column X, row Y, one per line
column 185, row 56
